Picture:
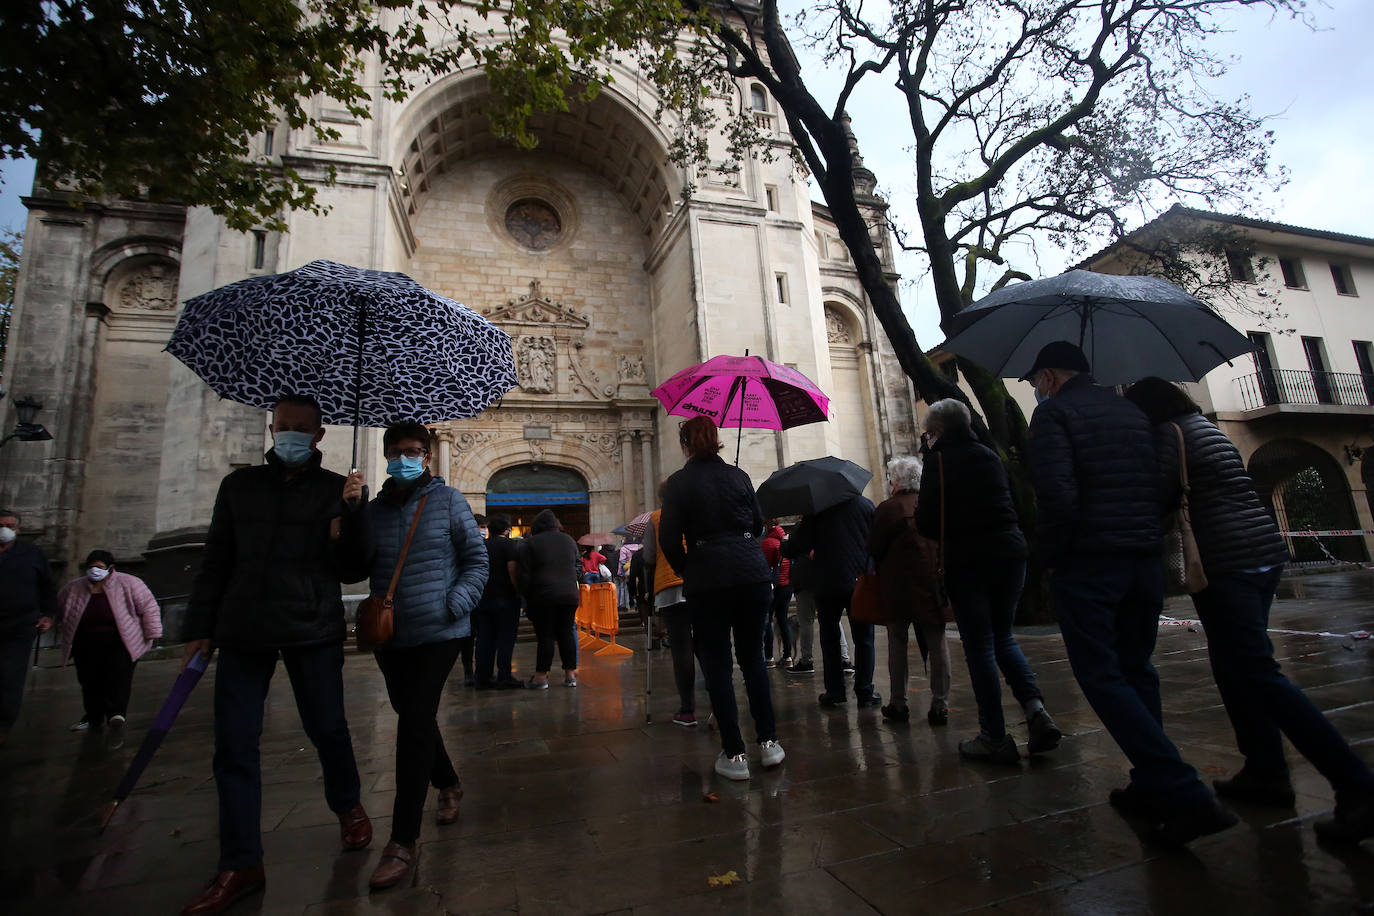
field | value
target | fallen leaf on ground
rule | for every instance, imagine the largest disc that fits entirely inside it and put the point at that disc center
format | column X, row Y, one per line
column 710, row 797
column 725, row 880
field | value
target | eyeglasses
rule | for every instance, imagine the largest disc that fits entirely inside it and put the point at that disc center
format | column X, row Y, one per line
column 407, row 452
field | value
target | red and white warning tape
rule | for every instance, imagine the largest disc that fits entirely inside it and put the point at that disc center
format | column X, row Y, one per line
column 1333, row 533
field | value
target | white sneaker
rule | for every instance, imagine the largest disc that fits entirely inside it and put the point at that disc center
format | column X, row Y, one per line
column 736, row 767
column 83, row 725
column 773, row 754
column 116, row 720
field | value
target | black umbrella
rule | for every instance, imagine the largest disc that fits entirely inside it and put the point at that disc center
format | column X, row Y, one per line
column 372, row 347
column 1129, row 327
column 811, row 486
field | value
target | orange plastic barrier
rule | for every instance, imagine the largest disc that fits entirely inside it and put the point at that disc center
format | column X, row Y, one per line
column 598, row 615
column 584, row 619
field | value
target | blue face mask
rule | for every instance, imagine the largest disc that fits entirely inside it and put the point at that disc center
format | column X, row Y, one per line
column 1040, row 398
column 404, row 470
column 293, row 448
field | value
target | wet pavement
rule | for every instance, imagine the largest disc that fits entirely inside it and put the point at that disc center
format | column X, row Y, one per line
column 575, row 805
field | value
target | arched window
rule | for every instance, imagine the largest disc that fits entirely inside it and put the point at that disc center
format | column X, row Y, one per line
column 758, row 99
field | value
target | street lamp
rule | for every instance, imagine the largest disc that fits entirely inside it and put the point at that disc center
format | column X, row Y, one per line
column 26, row 430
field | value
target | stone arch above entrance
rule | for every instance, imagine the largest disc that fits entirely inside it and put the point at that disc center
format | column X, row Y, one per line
column 1305, row 487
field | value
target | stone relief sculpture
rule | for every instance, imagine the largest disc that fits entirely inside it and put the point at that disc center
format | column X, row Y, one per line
column 150, row 288
column 836, row 328
column 632, row 368
column 536, row 363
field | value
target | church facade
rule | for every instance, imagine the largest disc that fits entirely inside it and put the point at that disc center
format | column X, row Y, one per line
column 607, row 277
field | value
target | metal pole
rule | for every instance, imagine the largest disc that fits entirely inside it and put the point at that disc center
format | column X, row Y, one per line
column 358, row 382
column 743, row 386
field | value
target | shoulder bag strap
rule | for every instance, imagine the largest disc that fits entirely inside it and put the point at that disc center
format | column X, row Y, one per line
column 1182, row 466
column 410, row 536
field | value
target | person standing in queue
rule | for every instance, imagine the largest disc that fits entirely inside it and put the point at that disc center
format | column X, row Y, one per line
column 547, row 568
column 709, row 533
column 441, row 581
column 268, row 587
column 28, row 603
column 108, row 620
column 497, row 616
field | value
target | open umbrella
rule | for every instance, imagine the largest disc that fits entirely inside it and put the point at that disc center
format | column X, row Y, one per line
column 636, row 526
column 811, row 486
column 324, row 328
column 746, row 392
column 1128, row 327
column 596, row 539
column 171, row 707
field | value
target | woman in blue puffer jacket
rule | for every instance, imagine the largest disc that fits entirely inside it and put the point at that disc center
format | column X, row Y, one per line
column 444, row 574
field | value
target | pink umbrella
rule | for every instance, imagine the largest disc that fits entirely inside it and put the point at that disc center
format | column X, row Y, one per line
column 744, row 391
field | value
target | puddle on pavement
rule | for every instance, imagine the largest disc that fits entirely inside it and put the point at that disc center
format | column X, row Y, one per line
column 1349, row 585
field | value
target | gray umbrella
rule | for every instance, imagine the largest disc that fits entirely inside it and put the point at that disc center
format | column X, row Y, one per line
column 1129, row 327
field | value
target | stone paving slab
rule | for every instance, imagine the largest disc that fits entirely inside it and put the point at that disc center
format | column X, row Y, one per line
column 574, row 804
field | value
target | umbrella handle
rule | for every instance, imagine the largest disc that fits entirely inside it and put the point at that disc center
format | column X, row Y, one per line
column 355, row 503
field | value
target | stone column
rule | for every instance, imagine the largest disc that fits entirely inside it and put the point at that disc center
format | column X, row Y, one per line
column 627, row 479
column 446, row 457
column 646, row 463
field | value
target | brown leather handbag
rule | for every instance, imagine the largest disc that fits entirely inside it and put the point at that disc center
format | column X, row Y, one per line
column 377, row 613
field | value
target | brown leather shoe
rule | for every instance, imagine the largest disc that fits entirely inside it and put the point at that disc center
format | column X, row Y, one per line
column 227, row 887
column 355, row 828
column 398, row 864
column 448, row 805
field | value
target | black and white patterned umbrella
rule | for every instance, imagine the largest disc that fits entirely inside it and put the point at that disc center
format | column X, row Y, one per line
column 372, row 347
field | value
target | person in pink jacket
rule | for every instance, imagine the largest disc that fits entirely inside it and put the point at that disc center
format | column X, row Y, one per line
column 108, row 620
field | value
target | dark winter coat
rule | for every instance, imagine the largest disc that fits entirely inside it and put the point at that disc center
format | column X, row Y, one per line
column 27, row 588
column 1092, row 459
column 837, row 538
column 1234, row 530
column 712, row 505
column 445, row 569
column 549, row 563
column 270, row 574
column 906, row 563
column 980, row 518
column 501, row 551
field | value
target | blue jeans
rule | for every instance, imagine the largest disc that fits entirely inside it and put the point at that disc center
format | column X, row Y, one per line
column 1260, row 700
column 242, row 678
column 830, row 607
column 1108, row 607
column 716, row 615
column 985, row 596
column 777, row 614
column 495, row 625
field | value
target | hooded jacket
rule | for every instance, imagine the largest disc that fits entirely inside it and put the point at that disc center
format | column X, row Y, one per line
column 549, row 563
column 270, row 573
column 445, row 569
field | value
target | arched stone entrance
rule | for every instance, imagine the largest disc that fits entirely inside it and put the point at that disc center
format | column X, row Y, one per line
column 523, row 491
column 1305, row 488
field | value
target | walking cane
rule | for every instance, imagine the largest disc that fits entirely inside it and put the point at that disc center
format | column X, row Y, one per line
column 648, row 664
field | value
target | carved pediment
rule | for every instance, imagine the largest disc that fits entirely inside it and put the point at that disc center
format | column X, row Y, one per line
column 536, row 310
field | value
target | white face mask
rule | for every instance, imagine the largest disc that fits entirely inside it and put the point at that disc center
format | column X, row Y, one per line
column 96, row 574
column 7, row 535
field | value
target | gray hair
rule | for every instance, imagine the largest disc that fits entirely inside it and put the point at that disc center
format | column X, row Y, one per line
column 904, row 473
column 949, row 414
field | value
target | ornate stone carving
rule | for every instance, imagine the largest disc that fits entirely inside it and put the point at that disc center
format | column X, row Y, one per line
column 468, row 440
column 607, row 443
column 536, row 363
column 836, row 328
column 585, row 378
column 150, row 288
column 536, row 309
column 631, row 367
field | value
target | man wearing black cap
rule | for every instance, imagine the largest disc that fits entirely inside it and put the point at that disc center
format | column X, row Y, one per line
column 1093, row 464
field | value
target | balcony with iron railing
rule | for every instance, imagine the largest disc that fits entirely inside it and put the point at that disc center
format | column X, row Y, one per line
column 1302, row 388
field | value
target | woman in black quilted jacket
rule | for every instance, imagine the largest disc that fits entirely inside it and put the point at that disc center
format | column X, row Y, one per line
column 709, row 531
column 1243, row 556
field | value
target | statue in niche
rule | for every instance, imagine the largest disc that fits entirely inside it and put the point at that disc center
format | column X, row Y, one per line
column 153, row 287
column 536, row 363
column 632, row 368
column 836, row 328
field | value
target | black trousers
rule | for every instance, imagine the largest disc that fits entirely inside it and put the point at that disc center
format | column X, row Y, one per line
column 242, row 678
column 16, row 650
column 106, row 673
column 496, row 625
column 415, row 679
column 554, row 623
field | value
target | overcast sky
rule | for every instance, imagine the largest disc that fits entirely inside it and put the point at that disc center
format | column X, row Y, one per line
column 1315, row 84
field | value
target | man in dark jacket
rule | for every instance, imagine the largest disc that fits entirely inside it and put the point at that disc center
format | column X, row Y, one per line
column 269, row 586
column 28, row 604
column 496, row 618
column 1092, row 460
column 837, row 538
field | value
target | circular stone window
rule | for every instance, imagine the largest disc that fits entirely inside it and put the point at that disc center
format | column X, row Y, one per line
column 534, row 224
